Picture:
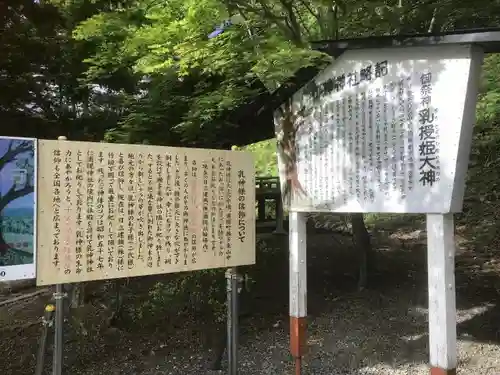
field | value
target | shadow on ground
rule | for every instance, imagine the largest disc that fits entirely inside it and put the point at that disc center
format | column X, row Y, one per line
column 383, row 328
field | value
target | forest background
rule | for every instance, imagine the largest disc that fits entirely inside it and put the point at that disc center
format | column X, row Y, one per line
column 145, row 71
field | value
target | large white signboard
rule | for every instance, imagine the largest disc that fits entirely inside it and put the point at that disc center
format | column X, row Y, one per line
column 381, row 130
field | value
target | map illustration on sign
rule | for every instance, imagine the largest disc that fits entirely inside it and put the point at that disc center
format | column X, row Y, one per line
column 17, row 208
column 379, row 131
column 110, row 210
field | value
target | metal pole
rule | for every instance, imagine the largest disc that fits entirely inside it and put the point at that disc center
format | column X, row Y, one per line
column 59, row 322
column 47, row 321
column 229, row 305
column 233, row 288
column 234, row 321
column 58, row 332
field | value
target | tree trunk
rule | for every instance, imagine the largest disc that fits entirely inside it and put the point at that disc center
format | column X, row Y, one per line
column 218, row 341
column 116, row 304
column 362, row 244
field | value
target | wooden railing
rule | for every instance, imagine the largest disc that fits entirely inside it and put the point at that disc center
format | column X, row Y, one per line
column 268, row 189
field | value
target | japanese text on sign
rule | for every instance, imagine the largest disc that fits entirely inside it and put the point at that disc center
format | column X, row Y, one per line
column 139, row 210
column 364, row 135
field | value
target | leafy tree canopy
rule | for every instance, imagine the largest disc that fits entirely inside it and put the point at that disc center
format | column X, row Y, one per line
column 145, row 70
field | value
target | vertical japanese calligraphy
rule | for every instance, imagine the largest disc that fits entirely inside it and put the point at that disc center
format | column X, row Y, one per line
column 205, row 208
column 111, row 215
column 213, row 206
column 229, row 209
column 384, row 168
column 242, row 212
column 100, row 210
column 140, row 210
column 67, row 236
column 185, row 211
column 177, row 210
column 194, row 236
column 149, row 213
column 131, row 210
column 350, row 143
column 427, row 148
column 169, row 206
column 371, row 145
column 120, row 235
column 221, row 203
column 357, row 146
column 411, row 135
column 141, row 206
column 79, row 212
column 89, row 217
column 111, row 200
column 160, row 211
column 400, row 153
column 378, row 139
column 56, row 208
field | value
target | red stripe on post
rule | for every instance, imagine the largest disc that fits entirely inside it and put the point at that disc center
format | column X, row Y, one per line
column 440, row 371
column 297, row 336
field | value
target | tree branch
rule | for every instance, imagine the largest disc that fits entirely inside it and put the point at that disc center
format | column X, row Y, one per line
column 12, row 153
column 310, row 10
column 433, row 21
column 308, row 31
column 13, row 194
column 268, row 13
column 294, row 24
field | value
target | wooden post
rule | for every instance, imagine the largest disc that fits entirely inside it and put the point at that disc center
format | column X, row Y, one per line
column 442, row 299
column 298, row 287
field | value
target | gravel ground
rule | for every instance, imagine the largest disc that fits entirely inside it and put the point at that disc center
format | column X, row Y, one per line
column 352, row 340
column 381, row 330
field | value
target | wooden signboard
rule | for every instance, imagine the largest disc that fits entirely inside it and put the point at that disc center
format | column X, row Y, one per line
column 108, row 210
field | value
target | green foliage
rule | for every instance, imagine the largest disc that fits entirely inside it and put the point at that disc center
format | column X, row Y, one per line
column 483, row 177
column 489, row 97
column 159, row 40
column 206, row 296
column 144, row 71
column 266, row 161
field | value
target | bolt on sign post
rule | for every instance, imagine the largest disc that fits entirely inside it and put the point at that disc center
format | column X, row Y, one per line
column 383, row 130
column 18, row 173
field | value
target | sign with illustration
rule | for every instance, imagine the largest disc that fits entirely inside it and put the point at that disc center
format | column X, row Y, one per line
column 112, row 210
column 385, row 130
column 17, row 208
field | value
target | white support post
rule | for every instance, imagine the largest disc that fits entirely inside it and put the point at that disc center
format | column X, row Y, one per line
column 298, row 286
column 442, row 299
